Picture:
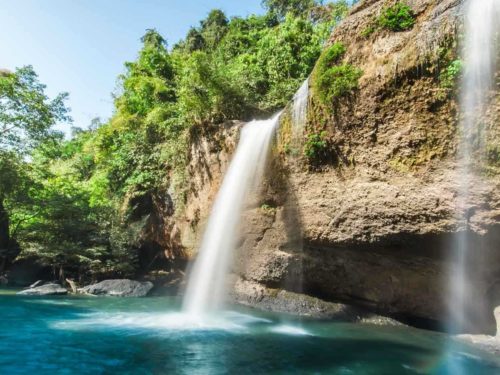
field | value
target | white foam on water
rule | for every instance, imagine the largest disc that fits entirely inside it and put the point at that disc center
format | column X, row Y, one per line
column 51, row 302
column 158, row 322
column 291, row 330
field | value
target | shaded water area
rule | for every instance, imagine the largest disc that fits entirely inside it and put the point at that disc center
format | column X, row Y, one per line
column 90, row 335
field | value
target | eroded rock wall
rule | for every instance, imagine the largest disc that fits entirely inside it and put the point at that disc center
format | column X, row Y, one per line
column 376, row 225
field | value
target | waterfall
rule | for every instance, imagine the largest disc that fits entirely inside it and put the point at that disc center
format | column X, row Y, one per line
column 206, row 284
column 482, row 24
column 299, row 113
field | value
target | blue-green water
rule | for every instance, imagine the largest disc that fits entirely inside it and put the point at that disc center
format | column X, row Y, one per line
column 85, row 335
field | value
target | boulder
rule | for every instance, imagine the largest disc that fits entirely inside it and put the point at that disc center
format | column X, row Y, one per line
column 44, row 290
column 119, row 288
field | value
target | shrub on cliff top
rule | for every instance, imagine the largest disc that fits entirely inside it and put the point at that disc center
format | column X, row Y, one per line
column 331, row 80
column 399, row 17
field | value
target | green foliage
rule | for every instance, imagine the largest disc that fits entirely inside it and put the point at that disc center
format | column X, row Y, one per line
column 268, row 209
column 399, row 17
column 368, row 30
column 283, row 7
column 214, row 27
column 26, row 113
column 206, row 95
column 245, row 66
column 332, row 80
column 449, row 76
column 316, row 146
column 338, row 81
column 70, row 201
column 26, row 118
column 66, row 219
column 331, row 56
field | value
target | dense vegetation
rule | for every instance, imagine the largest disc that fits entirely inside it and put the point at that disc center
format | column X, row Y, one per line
column 70, row 202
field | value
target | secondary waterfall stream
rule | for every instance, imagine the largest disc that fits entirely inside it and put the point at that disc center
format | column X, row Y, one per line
column 479, row 59
column 205, row 289
column 299, row 114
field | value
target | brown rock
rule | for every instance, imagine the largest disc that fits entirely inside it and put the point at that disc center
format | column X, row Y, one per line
column 376, row 224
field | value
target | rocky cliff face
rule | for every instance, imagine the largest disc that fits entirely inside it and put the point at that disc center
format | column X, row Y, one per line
column 375, row 225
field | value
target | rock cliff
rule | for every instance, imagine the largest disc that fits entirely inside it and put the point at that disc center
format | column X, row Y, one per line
column 374, row 225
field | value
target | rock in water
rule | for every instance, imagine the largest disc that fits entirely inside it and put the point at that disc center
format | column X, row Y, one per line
column 36, row 284
column 119, row 288
column 44, row 290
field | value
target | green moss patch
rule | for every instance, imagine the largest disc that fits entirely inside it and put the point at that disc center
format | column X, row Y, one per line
column 333, row 80
column 399, row 17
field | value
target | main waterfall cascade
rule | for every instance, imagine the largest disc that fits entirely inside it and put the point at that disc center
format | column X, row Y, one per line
column 482, row 25
column 206, row 285
column 205, row 289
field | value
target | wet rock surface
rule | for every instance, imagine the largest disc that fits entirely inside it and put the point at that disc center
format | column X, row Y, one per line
column 279, row 300
column 44, row 290
column 119, row 288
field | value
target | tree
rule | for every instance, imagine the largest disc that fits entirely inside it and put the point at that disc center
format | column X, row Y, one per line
column 27, row 116
column 194, row 40
column 214, row 27
column 26, row 113
column 149, row 80
column 282, row 7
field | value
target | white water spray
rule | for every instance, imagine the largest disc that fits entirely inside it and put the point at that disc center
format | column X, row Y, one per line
column 482, row 24
column 206, row 285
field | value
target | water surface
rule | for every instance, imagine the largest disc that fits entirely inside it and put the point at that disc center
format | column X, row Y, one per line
column 94, row 335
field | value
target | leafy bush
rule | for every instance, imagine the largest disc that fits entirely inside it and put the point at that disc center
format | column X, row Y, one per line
column 337, row 81
column 282, row 7
column 399, row 17
column 331, row 55
column 331, row 80
column 451, row 74
column 316, row 146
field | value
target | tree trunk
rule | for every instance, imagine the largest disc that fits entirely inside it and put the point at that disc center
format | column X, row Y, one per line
column 4, row 234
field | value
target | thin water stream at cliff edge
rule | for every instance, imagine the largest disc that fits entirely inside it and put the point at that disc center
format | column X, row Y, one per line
column 94, row 335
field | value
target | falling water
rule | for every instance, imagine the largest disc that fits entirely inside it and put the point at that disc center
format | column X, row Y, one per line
column 299, row 112
column 205, row 290
column 482, row 23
